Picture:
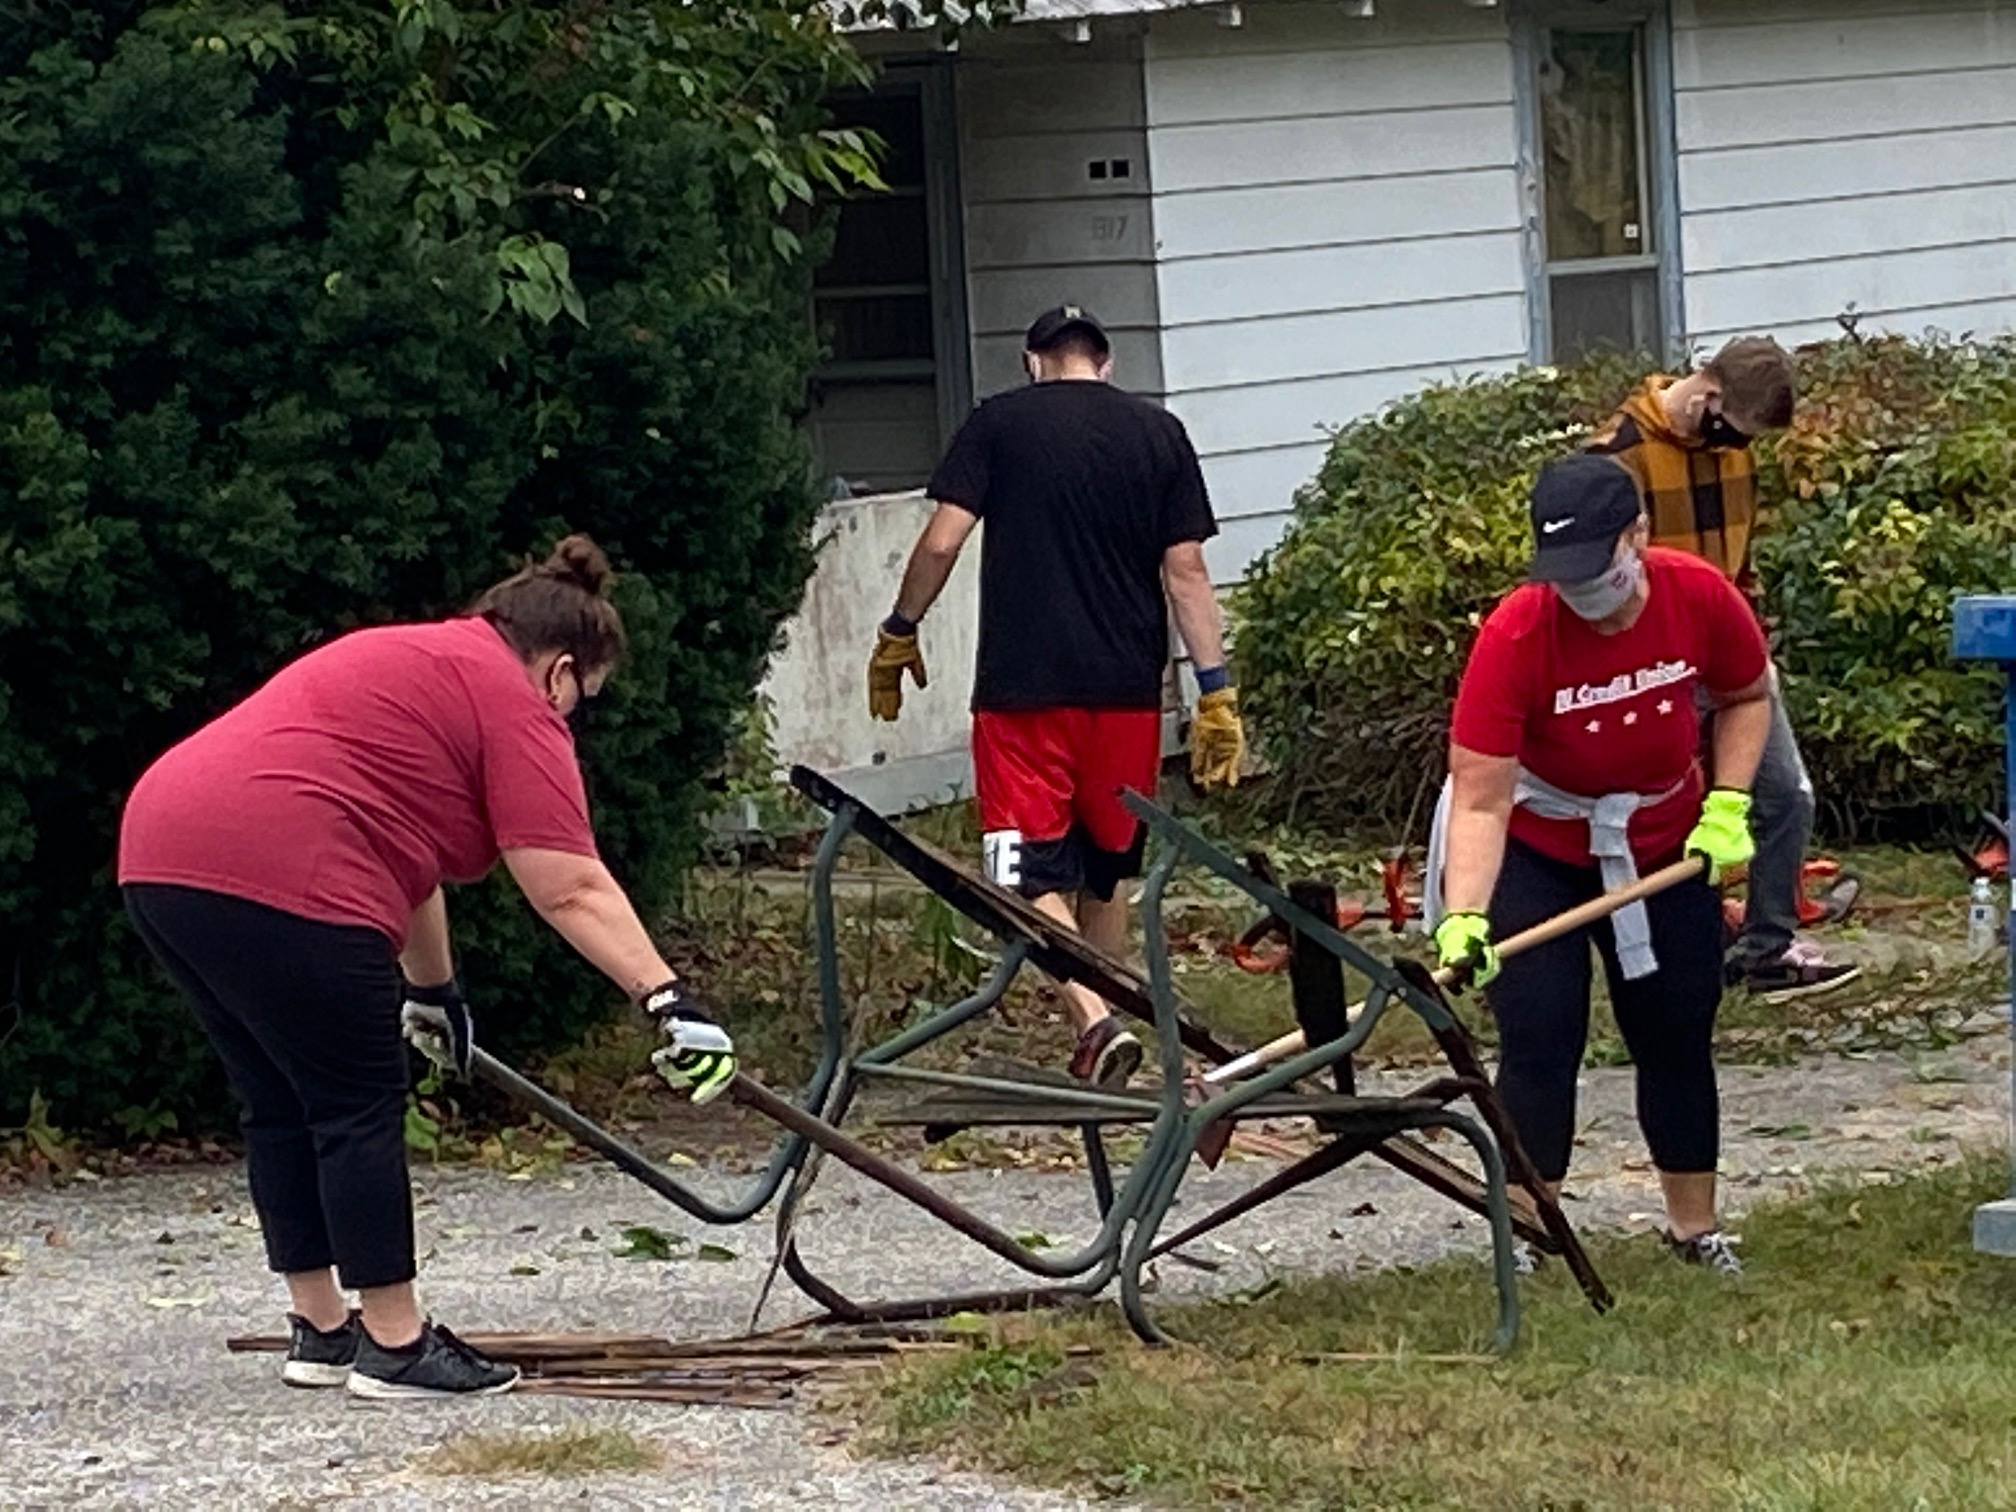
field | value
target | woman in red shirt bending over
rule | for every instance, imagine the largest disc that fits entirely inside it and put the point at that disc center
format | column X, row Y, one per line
column 285, row 865
column 1573, row 767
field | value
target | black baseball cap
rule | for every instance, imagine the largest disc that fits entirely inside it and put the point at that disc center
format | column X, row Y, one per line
column 1052, row 326
column 1581, row 505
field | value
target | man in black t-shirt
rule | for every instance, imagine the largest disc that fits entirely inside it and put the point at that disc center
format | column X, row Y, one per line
column 1096, row 518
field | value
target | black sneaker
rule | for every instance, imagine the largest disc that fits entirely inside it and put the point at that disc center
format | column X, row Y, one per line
column 315, row 1358
column 1712, row 1249
column 437, row 1364
column 1800, row 972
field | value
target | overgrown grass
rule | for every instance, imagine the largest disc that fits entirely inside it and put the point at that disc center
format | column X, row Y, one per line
column 579, row 1449
column 1862, row 1362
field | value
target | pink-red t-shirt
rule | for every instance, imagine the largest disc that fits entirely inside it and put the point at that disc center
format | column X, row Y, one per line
column 363, row 776
column 1597, row 714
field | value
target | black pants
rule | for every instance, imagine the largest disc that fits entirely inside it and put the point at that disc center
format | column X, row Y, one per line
column 1541, row 1003
column 306, row 1018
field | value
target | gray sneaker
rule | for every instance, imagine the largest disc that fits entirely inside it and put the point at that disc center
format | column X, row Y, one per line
column 315, row 1358
column 1714, row 1249
column 437, row 1364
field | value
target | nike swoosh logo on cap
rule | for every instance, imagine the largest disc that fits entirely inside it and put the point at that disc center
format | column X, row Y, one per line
column 1548, row 527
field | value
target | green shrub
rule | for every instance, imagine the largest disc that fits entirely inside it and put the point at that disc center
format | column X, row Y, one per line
column 257, row 387
column 1894, row 491
column 1352, row 630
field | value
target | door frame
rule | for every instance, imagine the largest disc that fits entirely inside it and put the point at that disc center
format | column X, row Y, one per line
column 1530, row 19
column 928, row 78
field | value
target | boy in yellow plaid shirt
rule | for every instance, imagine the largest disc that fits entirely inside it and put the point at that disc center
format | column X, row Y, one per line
column 1687, row 442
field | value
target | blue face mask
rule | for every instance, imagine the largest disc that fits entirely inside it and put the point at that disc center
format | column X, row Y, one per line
column 1599, row 598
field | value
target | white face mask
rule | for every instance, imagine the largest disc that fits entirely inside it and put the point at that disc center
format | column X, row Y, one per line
column 1599, row 598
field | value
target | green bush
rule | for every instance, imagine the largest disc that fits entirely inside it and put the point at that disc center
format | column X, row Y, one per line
column 1894, row 490
column 276, row 361
column 1352, row 630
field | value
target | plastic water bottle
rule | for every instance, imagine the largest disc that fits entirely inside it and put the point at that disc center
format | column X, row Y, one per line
column 1981, row 919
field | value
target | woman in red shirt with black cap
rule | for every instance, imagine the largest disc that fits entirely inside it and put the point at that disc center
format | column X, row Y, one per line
column 1573, row 767
column 285, row 865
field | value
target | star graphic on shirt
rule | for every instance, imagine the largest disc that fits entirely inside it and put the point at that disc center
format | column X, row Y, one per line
column 1593, row 726
column 1631, row 718
column 1665, row 706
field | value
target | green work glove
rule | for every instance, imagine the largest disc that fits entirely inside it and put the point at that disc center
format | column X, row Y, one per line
column 1722, row 833
column 697, row 1057
column 1463, row 945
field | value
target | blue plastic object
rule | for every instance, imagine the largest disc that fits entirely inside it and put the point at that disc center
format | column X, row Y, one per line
column 1984, row 630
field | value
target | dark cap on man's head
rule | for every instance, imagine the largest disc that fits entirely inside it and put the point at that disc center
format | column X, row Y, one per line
column 1581, row 505
column 1052, row 326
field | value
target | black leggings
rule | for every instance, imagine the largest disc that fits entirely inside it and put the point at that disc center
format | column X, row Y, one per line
column 1541, row 1003
column 305, row 1016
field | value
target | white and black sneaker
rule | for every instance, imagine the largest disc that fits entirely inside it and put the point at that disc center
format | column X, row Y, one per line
column 437, row 1364
column 1714, row 1250
column 315, row 1358
column 1802, row 971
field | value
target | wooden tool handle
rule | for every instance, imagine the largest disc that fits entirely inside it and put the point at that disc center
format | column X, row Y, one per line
column 1566, row 922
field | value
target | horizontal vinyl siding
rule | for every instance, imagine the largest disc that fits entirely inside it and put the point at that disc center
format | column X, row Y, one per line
column 1336, row 224
column 1035, row 110
column 1849, row 155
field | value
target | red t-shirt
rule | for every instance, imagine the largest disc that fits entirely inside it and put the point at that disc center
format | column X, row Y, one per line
column 1597, row 714
column 363, row 776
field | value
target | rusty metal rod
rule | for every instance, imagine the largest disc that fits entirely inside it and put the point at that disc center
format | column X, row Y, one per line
column 754, row 1095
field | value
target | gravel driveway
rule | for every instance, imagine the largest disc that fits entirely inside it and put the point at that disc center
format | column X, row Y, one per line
column 115, row 1297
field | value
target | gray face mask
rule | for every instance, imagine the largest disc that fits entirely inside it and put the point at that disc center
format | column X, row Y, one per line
column 1599, row 598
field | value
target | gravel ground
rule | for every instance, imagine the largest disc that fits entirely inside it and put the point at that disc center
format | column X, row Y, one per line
column 115, row 1297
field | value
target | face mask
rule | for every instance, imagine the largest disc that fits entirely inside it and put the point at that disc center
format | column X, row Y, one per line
column 1718, row 434
column 576, row 717
column 1599, row 598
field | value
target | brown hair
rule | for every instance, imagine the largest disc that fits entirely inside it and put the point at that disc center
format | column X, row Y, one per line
column 560, row 604
column 1755, row 375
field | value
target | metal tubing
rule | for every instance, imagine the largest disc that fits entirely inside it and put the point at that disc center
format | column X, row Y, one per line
column 1168, row 1176
column 1077, row 1097
column 1505, row 1266
column 791, row 1150
column 1338, row 1153
column 918, row 1035
column 904, row 1184
column 634, row 1162
column 1098, row 1166
column 844, row 1309
column 1323, row 932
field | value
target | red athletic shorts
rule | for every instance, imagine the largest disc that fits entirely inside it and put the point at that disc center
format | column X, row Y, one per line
column 1049, row 784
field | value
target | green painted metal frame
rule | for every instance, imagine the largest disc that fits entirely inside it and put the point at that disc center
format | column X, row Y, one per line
column 1131, row 1215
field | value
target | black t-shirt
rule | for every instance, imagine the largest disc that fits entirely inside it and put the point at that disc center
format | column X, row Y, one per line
column 1083, row 487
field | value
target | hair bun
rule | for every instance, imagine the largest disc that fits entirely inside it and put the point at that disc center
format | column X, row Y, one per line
column 579, row 561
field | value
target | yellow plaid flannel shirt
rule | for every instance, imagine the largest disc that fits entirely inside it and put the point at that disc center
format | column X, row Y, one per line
column 1700, row 499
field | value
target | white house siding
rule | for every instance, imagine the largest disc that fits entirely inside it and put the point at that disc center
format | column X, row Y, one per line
column 1336, row 216
column 1036, row 111
column 1856, row 153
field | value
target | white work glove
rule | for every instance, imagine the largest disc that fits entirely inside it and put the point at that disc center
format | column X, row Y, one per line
column 697, row 1056
column 436, row 1022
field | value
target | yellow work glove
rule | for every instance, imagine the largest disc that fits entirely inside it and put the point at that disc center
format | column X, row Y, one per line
column 1217, row 739
column 1722, row 833
column 894, row 654
column 1463, row 945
